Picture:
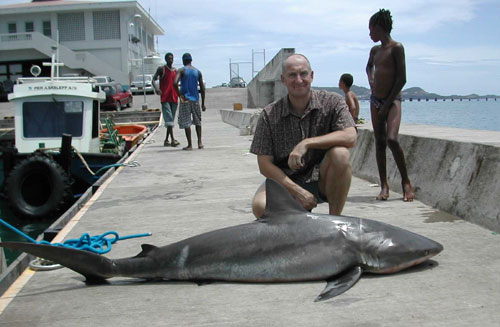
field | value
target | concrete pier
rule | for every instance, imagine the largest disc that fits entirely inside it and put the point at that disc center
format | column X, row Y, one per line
column 176, row 194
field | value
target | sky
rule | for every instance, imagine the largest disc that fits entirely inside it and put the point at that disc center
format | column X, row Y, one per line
column 451, row 46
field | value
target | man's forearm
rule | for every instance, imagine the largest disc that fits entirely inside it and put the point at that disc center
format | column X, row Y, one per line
column 345, row 138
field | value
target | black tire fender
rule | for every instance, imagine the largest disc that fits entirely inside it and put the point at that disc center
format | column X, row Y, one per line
column 38, row 187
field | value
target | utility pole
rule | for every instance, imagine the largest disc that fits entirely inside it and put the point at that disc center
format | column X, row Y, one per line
column 254, row 52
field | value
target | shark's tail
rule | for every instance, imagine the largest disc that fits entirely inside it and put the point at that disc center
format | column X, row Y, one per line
column 94, row 267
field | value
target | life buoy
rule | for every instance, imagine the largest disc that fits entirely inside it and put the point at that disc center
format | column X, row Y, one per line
column 38, row 187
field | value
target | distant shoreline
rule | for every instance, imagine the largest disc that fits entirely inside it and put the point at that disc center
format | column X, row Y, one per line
column 413, row 94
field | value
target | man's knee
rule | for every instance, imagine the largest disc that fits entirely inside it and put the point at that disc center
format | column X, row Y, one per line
column 259, row 202
column 339, row 157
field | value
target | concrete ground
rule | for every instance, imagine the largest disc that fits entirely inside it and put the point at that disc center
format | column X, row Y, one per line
column 176, row 194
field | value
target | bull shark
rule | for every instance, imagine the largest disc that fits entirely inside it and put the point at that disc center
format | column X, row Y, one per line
column 288, row 244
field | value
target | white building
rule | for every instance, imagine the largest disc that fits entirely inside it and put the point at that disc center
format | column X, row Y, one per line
column 95, row 38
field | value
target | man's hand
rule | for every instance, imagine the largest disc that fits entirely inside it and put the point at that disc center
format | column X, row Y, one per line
column 296, row 157
column 203, row 107
column 158, row 91
column 306, row 199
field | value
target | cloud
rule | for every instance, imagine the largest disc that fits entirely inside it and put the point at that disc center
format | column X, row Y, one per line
column 454, row 56
column 316, row 17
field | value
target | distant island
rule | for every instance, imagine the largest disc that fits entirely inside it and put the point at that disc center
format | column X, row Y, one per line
column 410, row 94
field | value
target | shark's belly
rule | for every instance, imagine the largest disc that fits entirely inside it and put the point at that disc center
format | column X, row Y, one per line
column 263, row 253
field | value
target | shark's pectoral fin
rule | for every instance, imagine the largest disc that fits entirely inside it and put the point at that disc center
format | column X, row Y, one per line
column 339, row 284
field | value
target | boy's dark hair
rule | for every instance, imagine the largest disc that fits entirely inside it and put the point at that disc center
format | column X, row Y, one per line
column 186, row 59
column 347, row 79
column 383, row 19
column 168, row 54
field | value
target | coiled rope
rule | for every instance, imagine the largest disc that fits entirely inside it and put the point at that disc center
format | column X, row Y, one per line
column 99, row 244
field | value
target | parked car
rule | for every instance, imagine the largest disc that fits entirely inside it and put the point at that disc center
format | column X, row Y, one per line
column 103, row 79
column 237, row 82
column 116, row 96
column 139, row 84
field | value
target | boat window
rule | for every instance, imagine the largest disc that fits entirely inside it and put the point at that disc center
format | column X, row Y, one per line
column 52, row 119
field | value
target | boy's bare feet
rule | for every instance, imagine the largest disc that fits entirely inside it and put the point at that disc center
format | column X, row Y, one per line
column 384, row 193
column 408, row 192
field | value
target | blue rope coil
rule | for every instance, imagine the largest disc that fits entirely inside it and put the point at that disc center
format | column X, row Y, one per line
column 99, row 244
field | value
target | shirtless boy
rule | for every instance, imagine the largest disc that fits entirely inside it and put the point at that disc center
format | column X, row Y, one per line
column 351, row 98
column 386, row 70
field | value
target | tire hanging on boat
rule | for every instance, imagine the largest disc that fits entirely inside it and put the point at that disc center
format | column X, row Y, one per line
column 38, row 187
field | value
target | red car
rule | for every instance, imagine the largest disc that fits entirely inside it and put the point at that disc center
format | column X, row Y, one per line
column 116, row 97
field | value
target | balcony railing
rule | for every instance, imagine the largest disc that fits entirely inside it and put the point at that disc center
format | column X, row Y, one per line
column 13, row 37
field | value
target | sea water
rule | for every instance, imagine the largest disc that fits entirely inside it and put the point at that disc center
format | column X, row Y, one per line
column 33, row 228
column 473, row 114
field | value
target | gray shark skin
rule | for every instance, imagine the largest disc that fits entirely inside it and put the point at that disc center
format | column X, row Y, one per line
column 289, row 244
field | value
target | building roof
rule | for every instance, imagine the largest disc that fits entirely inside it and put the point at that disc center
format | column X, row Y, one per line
column 67, row 5
column 45, row 4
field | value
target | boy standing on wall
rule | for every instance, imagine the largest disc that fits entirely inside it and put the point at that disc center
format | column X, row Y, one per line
column 386, row 70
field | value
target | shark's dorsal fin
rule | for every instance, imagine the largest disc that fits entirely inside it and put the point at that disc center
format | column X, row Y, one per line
column 146, row 249
column 279, row 201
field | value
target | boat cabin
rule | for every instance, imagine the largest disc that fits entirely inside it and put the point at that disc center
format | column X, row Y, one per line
column 46, row 108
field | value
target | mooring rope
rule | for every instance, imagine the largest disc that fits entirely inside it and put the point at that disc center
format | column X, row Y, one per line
column 99, row 244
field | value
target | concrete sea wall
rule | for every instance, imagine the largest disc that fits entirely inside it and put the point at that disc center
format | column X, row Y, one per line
column 454, row 170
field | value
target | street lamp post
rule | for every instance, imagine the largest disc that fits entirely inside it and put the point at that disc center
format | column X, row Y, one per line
column 130, row 60
column 129, row 40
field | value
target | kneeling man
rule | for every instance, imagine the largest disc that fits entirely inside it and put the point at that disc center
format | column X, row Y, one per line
column 303, row 140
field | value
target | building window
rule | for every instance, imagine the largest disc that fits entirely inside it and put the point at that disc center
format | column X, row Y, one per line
column 47, row 29
column 71, row 26
column 28, row 27
column 106, row 25
column 151, row 45
column 12, row 28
